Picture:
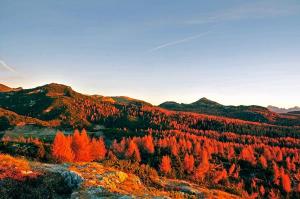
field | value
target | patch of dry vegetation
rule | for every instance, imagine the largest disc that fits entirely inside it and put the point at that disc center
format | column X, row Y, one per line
column 112, row 181
column 109, row 178
column 15, row 168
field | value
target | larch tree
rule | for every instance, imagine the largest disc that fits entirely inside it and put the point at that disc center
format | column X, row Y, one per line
column 204, row 165
column 220, row 175
column 247, row 154
column 61, row 148
column 231, row 169
column 279, row 156
column 98, row 149
column 189, row 162
column 165, row 166
column 148, row 144
column 174, row 149
column 133, row 151
column 286, row 183
column 197, row 149
column 263, row 161
column 276, row 173
column 231, row 153
column 81, row 146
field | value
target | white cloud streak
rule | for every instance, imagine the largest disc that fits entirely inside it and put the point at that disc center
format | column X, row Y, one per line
column 172, row 43
column 6, row 67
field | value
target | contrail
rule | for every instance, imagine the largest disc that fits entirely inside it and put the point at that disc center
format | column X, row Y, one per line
column 7, row 67
column 178, row 41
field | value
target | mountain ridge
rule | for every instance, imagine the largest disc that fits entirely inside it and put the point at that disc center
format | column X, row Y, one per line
column 5, row 88
column 283, row 110
column 59, row 105
column 206, row 106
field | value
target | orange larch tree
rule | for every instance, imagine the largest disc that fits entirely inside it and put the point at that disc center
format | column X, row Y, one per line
column 231, row 169
column 203, row 166
column 98, row 149
column 61, row 148
column 247, row 154
column 189, row 162
column 276, row 173
column 263, row 161
column 220, row 175
column 197, row 149
column 81, row 146
column 148, row 144
column 286, row 183
column 165, row 166
column 133, row 151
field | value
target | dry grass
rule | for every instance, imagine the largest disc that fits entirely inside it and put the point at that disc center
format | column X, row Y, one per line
column 15, row 168
column 115, row 181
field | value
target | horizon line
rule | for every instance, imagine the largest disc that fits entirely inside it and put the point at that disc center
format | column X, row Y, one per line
column 145, row 100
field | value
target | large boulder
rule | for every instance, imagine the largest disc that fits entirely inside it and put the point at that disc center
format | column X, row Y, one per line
column 72, row 179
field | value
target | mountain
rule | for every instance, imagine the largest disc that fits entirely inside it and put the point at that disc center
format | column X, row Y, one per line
column 57, row 105
column 283, row 110
column 294, row 112
column 54, row 103
column 4, row 88
column 206, row 106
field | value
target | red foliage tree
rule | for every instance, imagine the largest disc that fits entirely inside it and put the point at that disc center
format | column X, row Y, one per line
column 81, row 146
column 247, row 154
column 231, row 153
column 189, row 163
column 148, row 144
column 231, row 169
column 279, row 156
column 276, row 173
column 197, row 149
column 286, row 183
column 133, row 151
column 220, row 175
column 174, row 149
column 263, row 161
column 165, row 166
column 203, row 166
column 61, row 148
column 98, row 149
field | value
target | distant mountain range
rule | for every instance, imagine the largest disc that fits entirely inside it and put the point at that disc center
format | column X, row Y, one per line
column 292, row 110
column 206, row 106
column 58, row 105
column 249, row 113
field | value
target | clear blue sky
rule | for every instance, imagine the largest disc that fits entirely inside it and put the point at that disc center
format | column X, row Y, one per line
column 234, row 52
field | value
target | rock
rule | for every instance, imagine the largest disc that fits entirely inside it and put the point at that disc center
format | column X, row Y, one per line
column 72, row 179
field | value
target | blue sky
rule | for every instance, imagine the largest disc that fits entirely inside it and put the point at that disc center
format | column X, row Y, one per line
column 233, row 52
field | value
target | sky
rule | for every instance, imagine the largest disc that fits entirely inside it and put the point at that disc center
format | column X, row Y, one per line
column 233, row 52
